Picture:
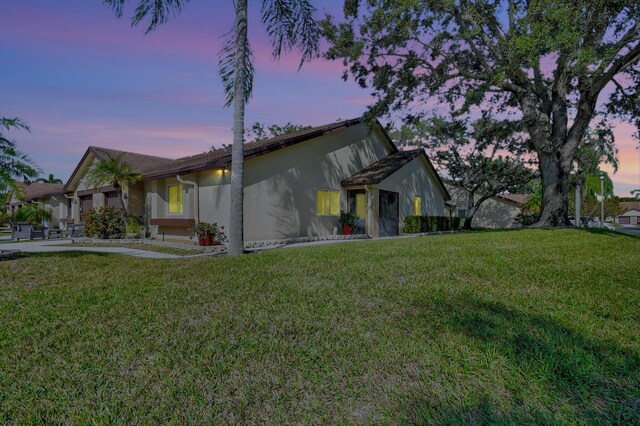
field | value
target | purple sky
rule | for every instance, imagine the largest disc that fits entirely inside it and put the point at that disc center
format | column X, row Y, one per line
column 80, row 77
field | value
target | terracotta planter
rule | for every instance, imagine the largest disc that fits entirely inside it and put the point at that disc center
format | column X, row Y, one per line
column 347, row 229
column 205, row 241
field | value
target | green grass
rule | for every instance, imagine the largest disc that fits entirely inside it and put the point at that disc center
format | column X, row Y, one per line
column 521, row 327
column 147, row 247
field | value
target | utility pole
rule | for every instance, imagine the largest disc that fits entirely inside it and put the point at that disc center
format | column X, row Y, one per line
column 601, row 200
column 578, row 196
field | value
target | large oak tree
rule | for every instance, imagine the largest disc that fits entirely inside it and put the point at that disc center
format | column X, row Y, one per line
column 550, row 62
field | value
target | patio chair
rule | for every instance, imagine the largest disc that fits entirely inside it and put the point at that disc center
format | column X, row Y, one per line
column 25, row 231
column 75, row 231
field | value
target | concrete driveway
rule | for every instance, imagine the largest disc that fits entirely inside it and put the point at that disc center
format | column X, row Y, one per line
column 52, row 246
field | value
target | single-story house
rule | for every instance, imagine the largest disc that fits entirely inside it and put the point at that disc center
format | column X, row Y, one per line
column 295, row 185
column 631, row 215
column 496, row 212
column 50, row 195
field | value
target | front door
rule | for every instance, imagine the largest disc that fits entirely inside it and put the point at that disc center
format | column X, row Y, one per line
column 86, row 204
column 389, row 223
column 357, row 200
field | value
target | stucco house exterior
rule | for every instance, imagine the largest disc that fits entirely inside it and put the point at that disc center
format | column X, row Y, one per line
column 496, row 212
column 50, row 196
column 631, row 215
column 295, row 185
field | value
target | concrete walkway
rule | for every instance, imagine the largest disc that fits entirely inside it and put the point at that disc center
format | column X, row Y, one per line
column 52, row 246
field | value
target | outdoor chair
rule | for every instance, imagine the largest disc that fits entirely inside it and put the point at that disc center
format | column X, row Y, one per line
column 25, row 231
column 75, row 231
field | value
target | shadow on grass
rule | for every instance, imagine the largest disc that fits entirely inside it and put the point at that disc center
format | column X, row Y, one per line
column 556, row 375
column 67, row 254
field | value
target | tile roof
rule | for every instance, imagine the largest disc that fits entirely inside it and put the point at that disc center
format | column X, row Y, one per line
column 378, row 171
column 630, row 205
column 140, row 163
column 516, row 198
column 36, row 190
column 222, row 157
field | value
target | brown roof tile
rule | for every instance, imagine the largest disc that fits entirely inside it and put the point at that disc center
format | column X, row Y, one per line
column 222, row 157
column 140, row 163
column 516, row 198
column 36, row 190
column 630, row 205
column 381, row 169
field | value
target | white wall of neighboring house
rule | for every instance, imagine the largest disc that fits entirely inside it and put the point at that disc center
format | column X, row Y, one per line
column 630, row 217
column 495, row 212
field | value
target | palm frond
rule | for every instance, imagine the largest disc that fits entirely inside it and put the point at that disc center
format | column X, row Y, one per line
column 16, row 123
column 113, row 171
column 227, row 67
column 157, row 12
column 291, row 24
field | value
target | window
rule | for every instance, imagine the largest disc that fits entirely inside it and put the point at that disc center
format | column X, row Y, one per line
column 417, row 206
column 462, row 213
column 174, row 194
column 327, row 202
column 361, row 205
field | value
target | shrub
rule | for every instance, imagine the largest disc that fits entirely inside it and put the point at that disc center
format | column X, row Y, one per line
column 455, row 222
column 527, row 219
column 135, row 227
column 420, row 224
column 412, row 224
column 203, row 229
column 33, row 214
column 105, row 222
column 347, row 218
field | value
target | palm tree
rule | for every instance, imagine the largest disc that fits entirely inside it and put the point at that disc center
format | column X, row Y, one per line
column 112, row 171
column 290, row 25
column 14, row 165
column 49, row 179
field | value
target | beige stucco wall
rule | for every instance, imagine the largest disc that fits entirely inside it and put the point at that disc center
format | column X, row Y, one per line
column 493, row 213
column 416, row 179
column 280, row 187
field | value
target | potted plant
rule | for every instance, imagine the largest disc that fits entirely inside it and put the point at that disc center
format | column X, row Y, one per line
column 208, row 233
column 348, row 221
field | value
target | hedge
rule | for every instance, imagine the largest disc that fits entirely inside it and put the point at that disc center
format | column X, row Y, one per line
column 419, row 224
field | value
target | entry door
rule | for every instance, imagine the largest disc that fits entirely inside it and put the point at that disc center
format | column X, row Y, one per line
column 357, row 200
column 389, row 223
column 86, row 203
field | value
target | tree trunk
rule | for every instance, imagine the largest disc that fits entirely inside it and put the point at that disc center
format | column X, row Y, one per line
column 471, row 210
column 555, row 190
column 236, row 222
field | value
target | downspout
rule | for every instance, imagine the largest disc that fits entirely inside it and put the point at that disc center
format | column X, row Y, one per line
column 196, row 197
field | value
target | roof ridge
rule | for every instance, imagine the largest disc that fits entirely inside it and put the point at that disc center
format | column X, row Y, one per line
column 94, row 147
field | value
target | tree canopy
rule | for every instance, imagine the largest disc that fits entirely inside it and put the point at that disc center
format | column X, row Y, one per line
column 545, row 62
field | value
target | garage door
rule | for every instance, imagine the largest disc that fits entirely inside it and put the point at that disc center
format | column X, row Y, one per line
column 624, row 220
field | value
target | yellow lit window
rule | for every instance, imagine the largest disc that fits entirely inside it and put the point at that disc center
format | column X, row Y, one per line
column 361, row 206
column 417, row 206
column 327, row 202
column 175, row 199
column 334, row 203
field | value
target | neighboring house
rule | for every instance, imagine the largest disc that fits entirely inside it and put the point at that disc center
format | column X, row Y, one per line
column 496, row 212
column 631, row 215
column 295, row 185
column 49, row 195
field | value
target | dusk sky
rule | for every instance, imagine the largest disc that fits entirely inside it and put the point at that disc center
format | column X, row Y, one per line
column 80, row 77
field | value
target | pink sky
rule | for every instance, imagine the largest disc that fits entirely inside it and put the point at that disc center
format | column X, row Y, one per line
column 80, row 77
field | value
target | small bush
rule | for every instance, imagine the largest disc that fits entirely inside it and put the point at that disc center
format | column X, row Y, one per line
column 455, row 222
column 105, row 223
column 33, row 214
column 420, row 224
column 412, row 224
column 135, row 227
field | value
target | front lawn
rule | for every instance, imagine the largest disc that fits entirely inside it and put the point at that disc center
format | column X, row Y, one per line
column 534, row 326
